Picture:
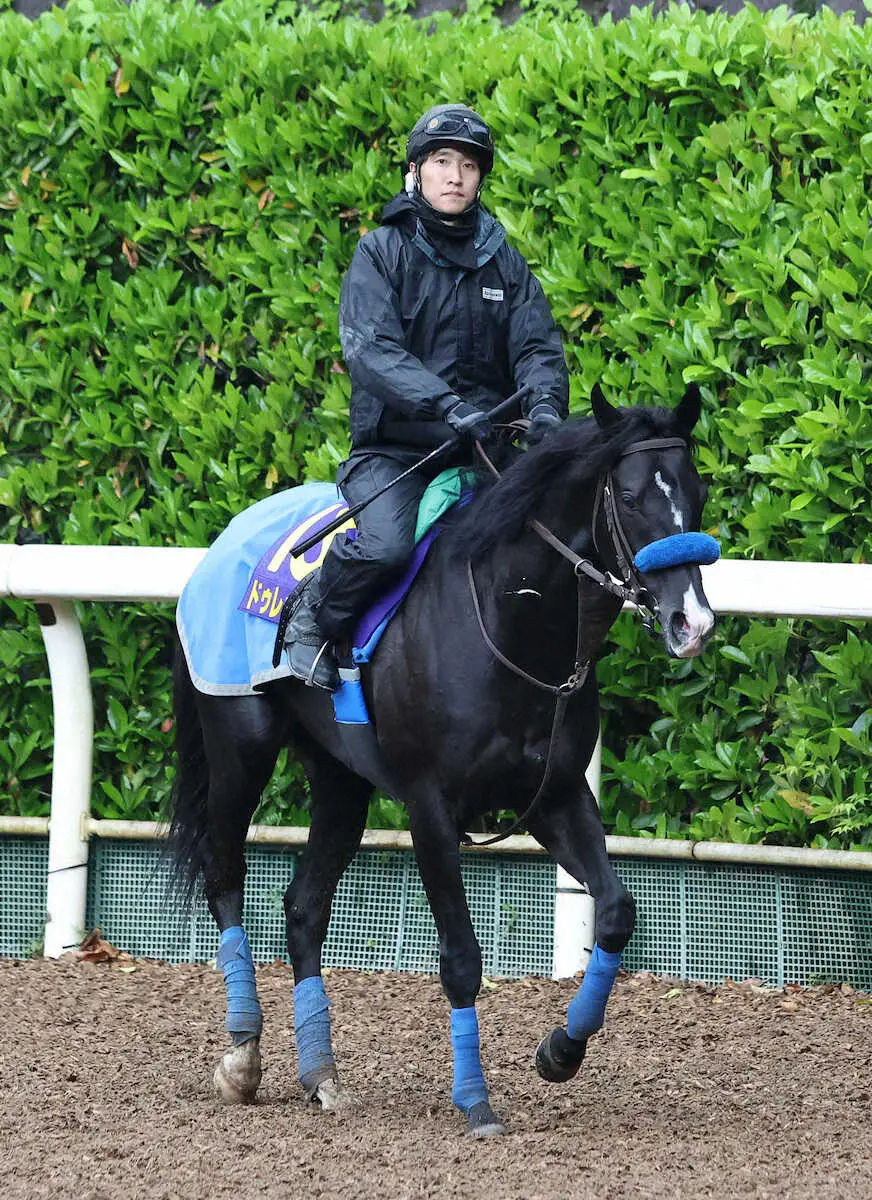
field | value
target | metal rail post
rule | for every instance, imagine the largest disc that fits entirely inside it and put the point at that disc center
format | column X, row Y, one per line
column 573, row 903
column 73, row 708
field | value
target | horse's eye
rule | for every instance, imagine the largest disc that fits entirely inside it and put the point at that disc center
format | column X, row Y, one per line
column 628, row 499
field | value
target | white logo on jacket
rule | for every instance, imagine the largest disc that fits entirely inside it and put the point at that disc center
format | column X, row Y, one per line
column 491, row 293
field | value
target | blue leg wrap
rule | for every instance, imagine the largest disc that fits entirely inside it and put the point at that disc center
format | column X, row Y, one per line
column 469, row 1085
column 587, row 1009
column 312, row 1027
column 244, row 1015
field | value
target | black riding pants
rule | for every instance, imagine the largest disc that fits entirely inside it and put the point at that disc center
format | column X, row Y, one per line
column 356, row 571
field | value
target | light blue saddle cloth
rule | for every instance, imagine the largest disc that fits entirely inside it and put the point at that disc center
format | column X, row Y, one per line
column 228, row 613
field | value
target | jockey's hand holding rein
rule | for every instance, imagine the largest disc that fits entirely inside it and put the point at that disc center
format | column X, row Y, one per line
column 544, row 418
column 466, row 420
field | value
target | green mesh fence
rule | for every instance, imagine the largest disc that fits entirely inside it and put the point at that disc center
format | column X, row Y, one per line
column 712, row 922
column 380, row 921
column 696, row 920
column 23, row 867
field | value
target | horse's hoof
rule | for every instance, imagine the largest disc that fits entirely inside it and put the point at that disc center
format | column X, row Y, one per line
column 483, row 1122
column 237, row 1076
column 559, row 1056
column 328, row 1092
column 332, row 1096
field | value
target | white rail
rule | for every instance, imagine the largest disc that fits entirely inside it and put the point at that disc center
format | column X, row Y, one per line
column 55, row 576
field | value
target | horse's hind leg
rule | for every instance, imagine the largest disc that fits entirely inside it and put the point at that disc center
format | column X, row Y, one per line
column 242, row 737
column 434, row 834
column 340, row 800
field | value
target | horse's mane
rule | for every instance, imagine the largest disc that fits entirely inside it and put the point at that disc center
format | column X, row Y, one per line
column 500, row 509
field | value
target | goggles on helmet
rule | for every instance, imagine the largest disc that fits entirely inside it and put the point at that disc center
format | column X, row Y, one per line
column 448, row 124
column 451, row 124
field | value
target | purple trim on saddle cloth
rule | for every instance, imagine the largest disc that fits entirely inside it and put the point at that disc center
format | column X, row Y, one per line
column 349, row 702
column 373, row 623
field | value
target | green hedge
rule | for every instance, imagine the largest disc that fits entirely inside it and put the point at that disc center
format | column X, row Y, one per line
column 181, row 190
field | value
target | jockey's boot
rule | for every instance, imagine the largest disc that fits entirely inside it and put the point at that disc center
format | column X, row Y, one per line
column 309, row 654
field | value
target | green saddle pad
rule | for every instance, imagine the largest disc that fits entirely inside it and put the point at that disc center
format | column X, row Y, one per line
column 442, row 492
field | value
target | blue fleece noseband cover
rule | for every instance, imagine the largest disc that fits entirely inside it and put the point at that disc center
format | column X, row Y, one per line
column 587, row 1010
column 244, row 1014
column 312, row 1029
column 469, row 1086
column 678, row 549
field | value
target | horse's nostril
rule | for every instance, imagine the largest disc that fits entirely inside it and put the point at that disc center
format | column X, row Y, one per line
column 679, row 625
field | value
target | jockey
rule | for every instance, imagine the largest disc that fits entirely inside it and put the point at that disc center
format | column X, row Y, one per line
column 440, row 319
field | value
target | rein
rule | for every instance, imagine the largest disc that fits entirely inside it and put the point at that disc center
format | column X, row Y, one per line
column 631, row 590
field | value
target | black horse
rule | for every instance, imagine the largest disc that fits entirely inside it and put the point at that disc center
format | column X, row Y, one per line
column 483, row 697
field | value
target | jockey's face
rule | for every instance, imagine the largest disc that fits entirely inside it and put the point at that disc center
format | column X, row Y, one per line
column 449, row 180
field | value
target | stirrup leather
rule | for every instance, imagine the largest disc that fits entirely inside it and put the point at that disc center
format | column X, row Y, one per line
column 310, row 678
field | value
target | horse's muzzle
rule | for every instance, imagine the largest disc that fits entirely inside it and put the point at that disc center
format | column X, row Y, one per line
column 686, row 630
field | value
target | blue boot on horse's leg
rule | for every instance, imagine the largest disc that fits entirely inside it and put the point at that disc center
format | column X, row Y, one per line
column 315, row 1061
column 308, row 653
column 560, row 1055
column 237, row 1076
column 469, row 1092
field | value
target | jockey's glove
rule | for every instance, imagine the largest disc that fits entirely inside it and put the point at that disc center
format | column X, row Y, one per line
column 467, row 421
column 544, row 418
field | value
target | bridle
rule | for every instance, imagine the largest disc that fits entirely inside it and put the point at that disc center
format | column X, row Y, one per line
column 627, row 588
column 605, row 507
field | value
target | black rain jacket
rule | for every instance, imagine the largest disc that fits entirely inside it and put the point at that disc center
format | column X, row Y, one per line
column 417, row 330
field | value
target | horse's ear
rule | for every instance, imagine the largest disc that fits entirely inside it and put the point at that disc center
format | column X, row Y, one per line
column 689, row 408
column 606, row 414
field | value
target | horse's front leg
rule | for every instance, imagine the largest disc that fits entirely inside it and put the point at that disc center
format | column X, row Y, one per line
column 435, row 839
column 571, row 830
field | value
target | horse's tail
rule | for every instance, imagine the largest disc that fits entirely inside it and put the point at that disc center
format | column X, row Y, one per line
column 190, row 789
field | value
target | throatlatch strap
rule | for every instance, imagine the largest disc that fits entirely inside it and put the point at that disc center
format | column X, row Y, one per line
column 469, row 1086
column 244, row 1014
column 587, row 1010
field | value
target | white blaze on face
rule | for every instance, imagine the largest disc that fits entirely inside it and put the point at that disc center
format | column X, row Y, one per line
column 700, row 620
column 667, row 492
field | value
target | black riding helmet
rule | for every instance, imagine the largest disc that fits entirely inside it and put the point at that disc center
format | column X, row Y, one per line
column 451, row 125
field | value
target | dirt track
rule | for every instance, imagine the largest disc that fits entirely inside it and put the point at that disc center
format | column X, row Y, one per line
column 733, row 1092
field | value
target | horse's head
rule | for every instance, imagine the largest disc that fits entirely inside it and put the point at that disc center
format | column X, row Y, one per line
column 649, row 509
